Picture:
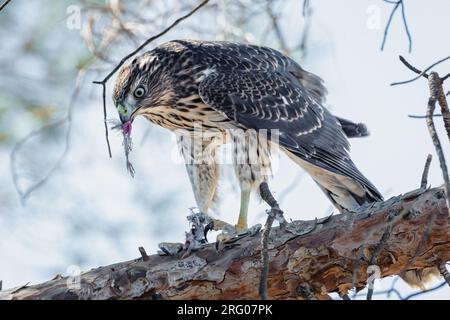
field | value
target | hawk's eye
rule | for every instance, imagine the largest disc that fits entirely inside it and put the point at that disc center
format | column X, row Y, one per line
column 139, row 92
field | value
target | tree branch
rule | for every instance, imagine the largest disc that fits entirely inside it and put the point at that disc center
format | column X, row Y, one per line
column 317, row 256
column 4, row 4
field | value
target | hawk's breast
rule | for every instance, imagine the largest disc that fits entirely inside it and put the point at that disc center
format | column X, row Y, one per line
column 189, row 113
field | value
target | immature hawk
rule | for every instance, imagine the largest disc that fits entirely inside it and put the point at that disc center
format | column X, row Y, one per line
column 232, row 92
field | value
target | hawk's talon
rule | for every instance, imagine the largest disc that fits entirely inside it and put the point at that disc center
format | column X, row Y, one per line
column 208, row 228
column 230, row 236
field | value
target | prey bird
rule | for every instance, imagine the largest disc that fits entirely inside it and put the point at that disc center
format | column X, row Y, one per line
column 234, row 91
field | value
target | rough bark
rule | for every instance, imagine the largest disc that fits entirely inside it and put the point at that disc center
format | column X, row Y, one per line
column 307, row 258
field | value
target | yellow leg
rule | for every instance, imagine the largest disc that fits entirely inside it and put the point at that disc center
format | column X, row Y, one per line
column 242, row 221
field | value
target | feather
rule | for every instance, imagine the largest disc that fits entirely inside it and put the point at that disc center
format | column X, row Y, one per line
column 127, row 142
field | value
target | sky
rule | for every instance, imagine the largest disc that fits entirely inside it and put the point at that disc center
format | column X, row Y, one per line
column 91, row 212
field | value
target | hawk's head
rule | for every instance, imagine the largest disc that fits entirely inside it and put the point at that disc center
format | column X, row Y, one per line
column 140, row 85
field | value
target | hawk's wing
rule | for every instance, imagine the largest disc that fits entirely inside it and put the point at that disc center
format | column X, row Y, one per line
column 269, row 99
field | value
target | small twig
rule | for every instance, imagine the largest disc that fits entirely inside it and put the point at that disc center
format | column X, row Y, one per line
column 388, row 24
column 104, row 119
column 426, row 170
column 265, row 257
column 420, row 73
column 273, row 213
column 143, row 254
column 433, row 81
column 306, row 8
column 425, row 291
column 436, row 95
column 414, row 116
column 128, row 56
column 4, row 4
column 405, row 24
column 397, row 4
column 442, row 100
column 445, row 78
column 392, row 289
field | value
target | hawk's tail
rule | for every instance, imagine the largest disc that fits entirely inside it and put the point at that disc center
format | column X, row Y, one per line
column 344, row 192
column 348, row 195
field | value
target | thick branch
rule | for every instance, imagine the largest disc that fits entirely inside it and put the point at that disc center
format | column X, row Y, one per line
column 319, row 255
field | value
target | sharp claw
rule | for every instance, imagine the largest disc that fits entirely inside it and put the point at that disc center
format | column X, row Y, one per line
column 221, row 241
column 208, row 227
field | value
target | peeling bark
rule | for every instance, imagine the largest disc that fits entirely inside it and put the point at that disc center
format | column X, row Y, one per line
column 308, row 259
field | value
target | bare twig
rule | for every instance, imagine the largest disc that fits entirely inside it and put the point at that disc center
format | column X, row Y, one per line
column 414, row 116
column 104, row 119
column 4, row 4
column 397, row 4
column 425, row 291
column 388, row 24
column 439, row 91
column 265, row 257
column 306, row 7
column 426, row 169
column 436, row 94
column 273, row 213
column 433, row 82
column 442, row 100
column 128, row 56
column 420, row 73
column 143, row 254
column 405, row 24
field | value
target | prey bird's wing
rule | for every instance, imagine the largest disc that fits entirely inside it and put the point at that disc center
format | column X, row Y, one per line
column 276, row 99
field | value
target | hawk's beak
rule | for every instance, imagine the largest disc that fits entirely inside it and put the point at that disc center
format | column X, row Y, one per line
column 126, row 112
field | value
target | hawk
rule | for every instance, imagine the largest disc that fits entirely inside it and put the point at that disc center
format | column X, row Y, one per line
column 232, row 92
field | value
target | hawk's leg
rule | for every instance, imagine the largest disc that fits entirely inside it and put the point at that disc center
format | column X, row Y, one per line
column 251, row 156
column 242, row 220
column 199, row 152
column 251, row 160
